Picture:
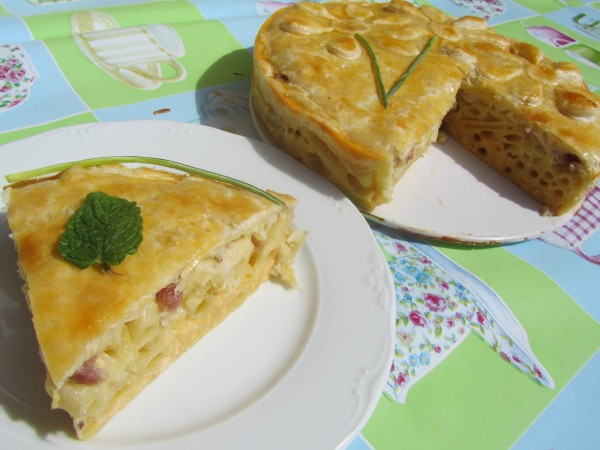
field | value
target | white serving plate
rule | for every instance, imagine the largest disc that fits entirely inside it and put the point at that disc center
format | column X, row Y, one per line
column 289, row 369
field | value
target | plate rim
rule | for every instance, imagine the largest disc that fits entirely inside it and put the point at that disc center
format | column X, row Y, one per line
column 368, row 385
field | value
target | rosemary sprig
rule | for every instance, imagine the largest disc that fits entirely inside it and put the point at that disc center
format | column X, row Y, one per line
column 382, row 93
column 47, row 170
column 412, row 66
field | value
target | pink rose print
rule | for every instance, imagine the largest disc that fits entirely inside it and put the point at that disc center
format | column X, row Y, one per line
column 416, row 318
column 444, row 285
column 400, row 247
column 435, row 303
column 481, row 317
column 450, row 323
column 16, row 75
column 401, row 380
column 504, row 356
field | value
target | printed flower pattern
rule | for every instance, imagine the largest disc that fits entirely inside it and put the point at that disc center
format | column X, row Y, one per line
column 16, row 76
column 436, row 309
column 483, row 8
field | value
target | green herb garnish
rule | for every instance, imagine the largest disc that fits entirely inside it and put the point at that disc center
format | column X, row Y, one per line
column 103, row 231
column 35, row 173
column 382, row 93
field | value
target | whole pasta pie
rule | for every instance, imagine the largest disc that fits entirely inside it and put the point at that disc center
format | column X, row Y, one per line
column 322, row 86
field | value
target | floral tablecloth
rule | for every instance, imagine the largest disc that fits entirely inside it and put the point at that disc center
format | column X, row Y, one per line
column 496, row 347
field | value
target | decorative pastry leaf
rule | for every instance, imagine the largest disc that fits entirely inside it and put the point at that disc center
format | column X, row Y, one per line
column 104, row 230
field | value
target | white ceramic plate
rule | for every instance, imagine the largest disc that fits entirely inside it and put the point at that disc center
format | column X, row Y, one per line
column 450, row 194
column 290, row 369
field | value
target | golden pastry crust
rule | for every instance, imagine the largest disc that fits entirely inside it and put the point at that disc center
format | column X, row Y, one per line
column 216, row 243
column 313, row 88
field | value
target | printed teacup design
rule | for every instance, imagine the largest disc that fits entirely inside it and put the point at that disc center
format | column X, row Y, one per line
column 136, row 55
column 17, row 74
column 549, row 35
column 438, row 303
column 580, row 52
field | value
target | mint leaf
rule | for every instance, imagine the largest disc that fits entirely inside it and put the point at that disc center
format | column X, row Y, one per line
column 104, row 230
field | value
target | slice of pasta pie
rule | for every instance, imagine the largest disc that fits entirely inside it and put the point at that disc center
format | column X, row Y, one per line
column 105, row 332
column 323, row 73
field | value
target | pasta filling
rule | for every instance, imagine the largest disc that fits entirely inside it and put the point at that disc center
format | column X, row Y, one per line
column 516, row 148
column 197, row 301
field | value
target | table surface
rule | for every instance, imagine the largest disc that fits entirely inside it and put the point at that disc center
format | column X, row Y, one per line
column 453, row 382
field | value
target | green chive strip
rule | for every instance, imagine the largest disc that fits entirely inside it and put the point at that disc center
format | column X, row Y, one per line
column 382, row 93
column 412, row 66
column 48, row 170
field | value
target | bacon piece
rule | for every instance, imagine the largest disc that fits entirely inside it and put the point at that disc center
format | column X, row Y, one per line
column 169, row 298
column 89, row 373
column 282, row 76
